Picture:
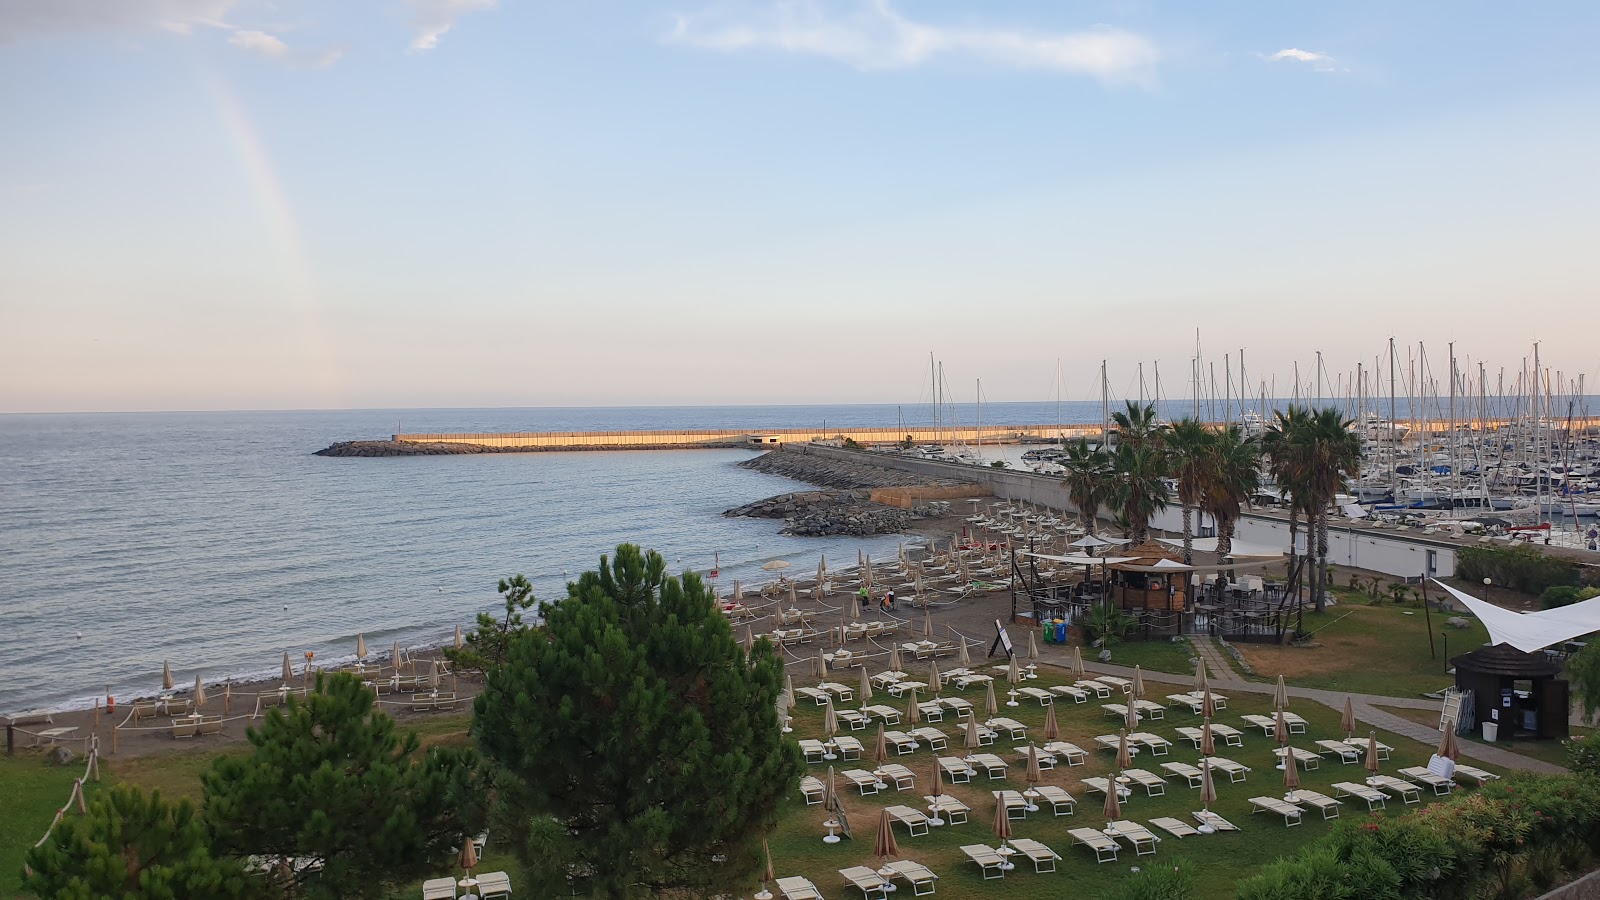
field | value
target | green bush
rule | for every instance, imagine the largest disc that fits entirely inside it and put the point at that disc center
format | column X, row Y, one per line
column 1523, row 568
column 1558, row 595
column 1319, row 873
column 1583, row 754
column 1160, row 883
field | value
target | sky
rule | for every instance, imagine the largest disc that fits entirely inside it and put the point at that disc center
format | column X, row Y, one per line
column 287, row 204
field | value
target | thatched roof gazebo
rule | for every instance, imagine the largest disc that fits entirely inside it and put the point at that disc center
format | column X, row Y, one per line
column 1152, row 577
column 1522, row 693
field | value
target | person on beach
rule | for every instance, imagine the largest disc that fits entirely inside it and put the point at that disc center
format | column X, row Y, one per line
column 866, row 598
column 888, row 599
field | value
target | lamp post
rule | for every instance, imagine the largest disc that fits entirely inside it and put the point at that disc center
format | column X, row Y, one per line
column 1487, row 583
column 1446, row 636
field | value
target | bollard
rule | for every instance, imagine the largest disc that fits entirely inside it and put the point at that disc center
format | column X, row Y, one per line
column 11, row 739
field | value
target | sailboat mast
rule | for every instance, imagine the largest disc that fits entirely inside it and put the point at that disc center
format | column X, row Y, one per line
column 1060, row 436
column 1105, row 408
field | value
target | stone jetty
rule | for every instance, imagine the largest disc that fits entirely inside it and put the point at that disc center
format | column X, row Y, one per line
column 838, row 473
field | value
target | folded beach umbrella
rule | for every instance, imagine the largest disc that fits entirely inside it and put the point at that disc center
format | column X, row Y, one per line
column 1348, row 720
column 1014, row 673
column 458, row 642
column 288, row 670
column 361, row 646
column 830, row 797
column 394, row 657
column 855, row 608
column 1033, row 776
column 1002, row 819
column 913, row 711
column 1291, row 771
column 1448, row 746
column 768, row 876
column 1372, row 752
column 864, row 691
column 1208, row 705
column 1052, row 731
column 927, row 621
column 885, row 847
column 1077, row 663
column 880, row 751
column 830, row 720
column 1281, row 695
column 934, row 680
column 1138, row 684
column 1200, row 681
column 166, row 674
column 794, row 599
column 972, row 741
column 936, row 791
column 1033, row 646
column 1208, row 744
column 894, row 659
column 961, row 640
column 433, row 675
column 738, row 591
column 1280, row 730
column 989, row 703
column 788, row 688
column 199, row 693
column 749, row 639
column 1208, row 788
column 1124, row 757
column 1131, row 716
column 469, row 856
column 1113, row 807
column 822, row 667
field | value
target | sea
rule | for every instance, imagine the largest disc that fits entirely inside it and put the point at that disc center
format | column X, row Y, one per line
column 217, row 541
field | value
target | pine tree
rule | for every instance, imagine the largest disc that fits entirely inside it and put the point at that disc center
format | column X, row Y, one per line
column 344, row 804
column 133, row 846
column 639, row 747
column 485, row 646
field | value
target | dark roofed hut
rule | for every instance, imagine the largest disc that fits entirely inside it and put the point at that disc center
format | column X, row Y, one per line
column 1154, row 578
column 1522, row 693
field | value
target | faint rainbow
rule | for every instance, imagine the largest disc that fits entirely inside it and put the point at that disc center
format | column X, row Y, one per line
column 299, row 287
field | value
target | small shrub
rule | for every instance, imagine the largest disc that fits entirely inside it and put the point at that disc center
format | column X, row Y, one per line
column 1158, row 883
column 1523, row 568
column 1558, row 595
column 1583, row 754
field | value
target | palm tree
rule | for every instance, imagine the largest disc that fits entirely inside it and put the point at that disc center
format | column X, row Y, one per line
column 1230, row 475
column 1187, row 443
column 1287, row 464
column 1137, row 426
column 1333, row 449
column 1140, row 472
column 1088, row 480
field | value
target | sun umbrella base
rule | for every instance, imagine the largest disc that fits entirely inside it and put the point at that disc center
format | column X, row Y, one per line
column 763, row 894
column 832, row 839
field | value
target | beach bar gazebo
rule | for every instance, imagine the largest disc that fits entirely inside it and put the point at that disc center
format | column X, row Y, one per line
column 1521, row 694
column 1150, row 577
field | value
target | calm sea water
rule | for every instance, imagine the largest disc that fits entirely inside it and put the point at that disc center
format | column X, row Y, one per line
column 218, row 542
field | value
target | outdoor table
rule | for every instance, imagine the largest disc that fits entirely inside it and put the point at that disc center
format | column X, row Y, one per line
column 467, row 885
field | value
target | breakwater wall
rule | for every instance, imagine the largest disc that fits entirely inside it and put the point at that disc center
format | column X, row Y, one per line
column 641, row 440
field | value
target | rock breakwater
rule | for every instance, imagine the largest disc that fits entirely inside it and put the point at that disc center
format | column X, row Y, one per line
column 815, row 513
column 837, row 473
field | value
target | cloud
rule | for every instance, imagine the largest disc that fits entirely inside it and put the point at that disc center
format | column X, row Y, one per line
column 1322, row 62
column 432, row 18
column 875, row 36
column 23, row 18
column 273, row 47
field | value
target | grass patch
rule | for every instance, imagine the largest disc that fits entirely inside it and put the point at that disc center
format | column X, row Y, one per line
column 1155, row 656
column 33, row 793
column 1367, row 650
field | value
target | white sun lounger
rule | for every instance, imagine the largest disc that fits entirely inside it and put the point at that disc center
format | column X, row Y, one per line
column 899, row 688
column 1016, row 804
column 1144, row 840
column 812, row 749
column 901, row 777
column 992, row 765
column 1235, row 771
column 1269, row 724
column 918, row 876
column 888, row 715
column 854, row 719
column 989, row 861
column 1150, row 709
column 1044, row 859
column 971, row 678
column 848, row 747
column 1226, row 735
column 1154, row 785
column 1044, row 697
column 819, row 697
column 956, row 769
column 865, row 781
column 1078, row 694
column 813, row 790
column 1098, row 785
column 1017, row 730
column 1155, row 743
column 884, row 679
column 439, row 889
column 1440, row 784
column 1175, row 827
column 1290, row 812
column 841, row 692
column 1046, row 761
column 872, row 884
column 962, row 708
column 901, row 742
column 1206, row 817
column 798, row 888
column 1407, row 791
column 931, row 710
column 915, row 821
column 1117, row 682
column 1195, row 703
column 1100, row 689
column 1305, row 758
column 1478, row 776
column 1376, row 799
column 950, row 808
column 1061, row 802
column 1328, row 805
column 1072, row 753
column 1347, row 753
column 1184, row 771
column 936, row 739
column 1105, row 849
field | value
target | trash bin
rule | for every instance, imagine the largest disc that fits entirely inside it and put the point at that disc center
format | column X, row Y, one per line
column 1061, row 631
column 1491, row 731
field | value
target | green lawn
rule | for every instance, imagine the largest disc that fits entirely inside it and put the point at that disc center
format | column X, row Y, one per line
column 1156, row 656
column 1368, row 650
column 33, row 793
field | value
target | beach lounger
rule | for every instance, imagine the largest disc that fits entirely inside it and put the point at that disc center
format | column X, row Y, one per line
column 864, row 781
column 1347, row 753
column 1222, row 735
column 1071, row 753
column 1175, row 827
column 918, row 876
column 899, row 688
column 965, row 681
column 1046, row 761
column 1115, row 710
column 439, row 889
column 813, row 790
column 986, row 735
column 210, row 725
column 177, row 707
column 1290, row 812
column 494, row 884
column 1016, row 804
column 1078, row 694
column 956, row 769
column 1478, row 776
column 797, row 888
column 1376, row 799
column 936, row 739
column 1440, row 784
column 1113, row 742
column 143, row 710
column 1234, row 771
column 1305, row 758
column 1155, row 743
column 888, row 715
column 441, row 700
column 951, row 809
column 812, row 749
column 1105, row 849
column 868, row 879
column 1154, row 785
column 915, row 821
column 1061, row 802
column 1192, row 704
column 1408, row 792
column 901, row 742
column 1150, row 709
column 1017, row 730
column 992, row 765
column 1206, row 817
column 1044, row 859
column 1101, row 690
column 1044, row 697
column 1144, row 840
column 884, row 679
column 841, row 692
column 1184, row 771
column 848, row 747
column 932, row 710
column 182, row 728
column 853, row 719
column 901, row 777
column 1267, row 724
column 1121, row 684
column 960, row 707
column 989, row 861
column 1098, row 785
column 818, row 697
column 1328, row 805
